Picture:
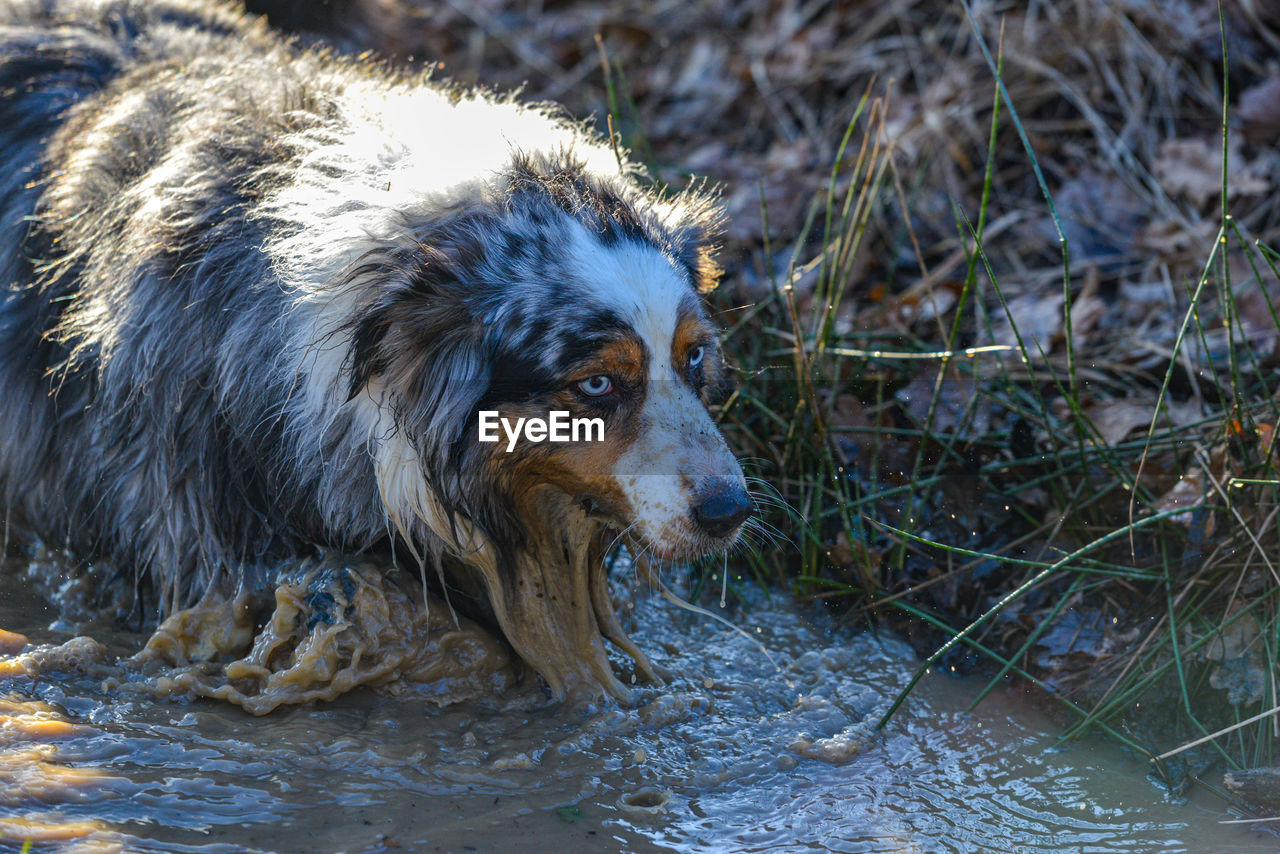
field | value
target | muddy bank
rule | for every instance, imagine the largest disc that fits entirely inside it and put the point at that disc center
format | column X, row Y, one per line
column 740, row 750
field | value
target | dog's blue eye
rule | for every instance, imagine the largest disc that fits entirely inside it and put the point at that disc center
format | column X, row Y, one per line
column 695, row 356
column 596, row 386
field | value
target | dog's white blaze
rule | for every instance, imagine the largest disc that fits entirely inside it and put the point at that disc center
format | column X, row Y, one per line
column 656, row 471
column 638, row 282
column 678, row 444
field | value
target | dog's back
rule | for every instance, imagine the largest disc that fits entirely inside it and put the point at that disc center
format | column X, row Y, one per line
column 54, row 55
column 123, row 193
column 46, row 69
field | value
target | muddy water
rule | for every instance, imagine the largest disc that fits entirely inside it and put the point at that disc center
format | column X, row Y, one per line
column 737, row 753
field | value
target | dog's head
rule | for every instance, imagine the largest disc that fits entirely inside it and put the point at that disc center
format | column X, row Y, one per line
column 572, row 298
column 553, row 292
column 451, row 254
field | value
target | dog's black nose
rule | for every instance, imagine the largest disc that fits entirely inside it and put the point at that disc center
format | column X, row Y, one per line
column 723, row 510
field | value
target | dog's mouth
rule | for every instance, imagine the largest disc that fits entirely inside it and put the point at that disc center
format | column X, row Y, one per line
column 677, row 542
column 679, row 551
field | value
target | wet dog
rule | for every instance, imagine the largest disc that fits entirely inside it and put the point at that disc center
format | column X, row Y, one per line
column 257, row 299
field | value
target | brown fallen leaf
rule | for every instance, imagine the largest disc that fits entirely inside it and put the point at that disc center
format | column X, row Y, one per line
column 1267, row 438
column 1260, row 325
column 1192, row 169
column 954, row 403
column 1244, row 679
column 1259, row 109
column 1172, row 239
column 1037, row 319
column 1237, row 650
column 1088, row 308
column 847, row 411
column 1234, row 640
column 1081, row 634
column 1115, row 419
column 1101, row 215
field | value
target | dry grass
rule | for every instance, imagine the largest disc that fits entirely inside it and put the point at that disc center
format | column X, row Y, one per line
column 758, row 93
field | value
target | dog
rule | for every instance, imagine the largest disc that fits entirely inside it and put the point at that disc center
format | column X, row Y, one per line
column 257, row 298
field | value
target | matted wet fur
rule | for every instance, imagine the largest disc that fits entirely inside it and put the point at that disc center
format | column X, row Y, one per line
column 255, row 297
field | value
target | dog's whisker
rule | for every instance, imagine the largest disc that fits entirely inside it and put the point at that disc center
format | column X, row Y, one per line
column 767, row 528
column 773, row 498
column 617, row 539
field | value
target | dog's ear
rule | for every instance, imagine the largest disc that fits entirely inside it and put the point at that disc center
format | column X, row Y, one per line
column 416, row 338
column 417, row 341
column 697, row 230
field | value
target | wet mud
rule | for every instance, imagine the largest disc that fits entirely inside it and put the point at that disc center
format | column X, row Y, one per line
column 739, row 750
column 332, row 627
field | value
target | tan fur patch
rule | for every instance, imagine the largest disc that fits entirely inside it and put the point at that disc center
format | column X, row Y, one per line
column 708, row 270
column 581, row 469
column 690, row 332
column 622, row 359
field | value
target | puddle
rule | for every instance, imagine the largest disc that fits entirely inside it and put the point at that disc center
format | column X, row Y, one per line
column 733, row 754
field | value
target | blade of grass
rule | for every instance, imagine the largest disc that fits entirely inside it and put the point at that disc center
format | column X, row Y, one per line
column 1010, row 597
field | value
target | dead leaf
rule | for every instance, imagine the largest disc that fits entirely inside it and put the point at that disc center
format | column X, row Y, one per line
column 937, row 302
column 1187, row 494
column 840, row 553
column 1192, row 169
column 1259, row 109
column 1115, row 419
column 955, row 404
column 1174, row 238
column 1236, row 648
column 1255, row 312
column 1101, row 216
column 1037, row 319
column 1242, row 678
column 1233, row 641
column 1080, row 633
column 1267, row 438
column 847, row 411
column 1088, row 308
